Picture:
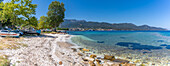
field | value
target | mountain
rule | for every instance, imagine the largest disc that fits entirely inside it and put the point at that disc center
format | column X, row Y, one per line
column 72, row 23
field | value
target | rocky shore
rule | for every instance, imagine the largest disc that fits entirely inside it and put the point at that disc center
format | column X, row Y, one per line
column 56, row 50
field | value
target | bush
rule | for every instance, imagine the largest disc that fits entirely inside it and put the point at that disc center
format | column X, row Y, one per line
column 62, row 29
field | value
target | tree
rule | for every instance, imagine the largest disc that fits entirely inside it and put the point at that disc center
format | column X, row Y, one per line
column 32, row 22
column 1, row 1
column 43, row 22
column 56, row 13
column 17, row 11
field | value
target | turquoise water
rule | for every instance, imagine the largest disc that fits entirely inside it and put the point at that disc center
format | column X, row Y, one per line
column 145, row 46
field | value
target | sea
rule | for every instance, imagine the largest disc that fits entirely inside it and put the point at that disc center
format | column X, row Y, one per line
column 148, row 47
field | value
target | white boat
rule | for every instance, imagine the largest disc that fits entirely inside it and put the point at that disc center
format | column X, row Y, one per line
column 6, row 33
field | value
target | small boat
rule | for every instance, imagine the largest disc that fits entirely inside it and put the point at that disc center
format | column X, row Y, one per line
column 7, row 33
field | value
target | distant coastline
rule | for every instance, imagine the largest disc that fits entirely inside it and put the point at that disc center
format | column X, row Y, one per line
column 82, row 25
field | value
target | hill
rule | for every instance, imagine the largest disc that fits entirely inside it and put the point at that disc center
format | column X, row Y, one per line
column 72, row 23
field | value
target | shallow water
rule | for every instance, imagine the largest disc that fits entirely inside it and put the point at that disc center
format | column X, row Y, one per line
column 146, row 47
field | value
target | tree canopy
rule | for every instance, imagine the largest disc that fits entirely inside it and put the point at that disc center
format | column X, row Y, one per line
column 1, row 1
column 18, row 12
column 56, row 13
column 43, row 22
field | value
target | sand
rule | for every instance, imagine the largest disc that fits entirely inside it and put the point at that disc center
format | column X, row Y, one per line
column 46, row 50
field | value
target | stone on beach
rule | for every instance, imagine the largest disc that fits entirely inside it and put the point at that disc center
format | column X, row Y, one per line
column 91, row 63
column 74, row 49
column 113, row 63
column 97, row 60
column 80, row 54
column 60, row 63
column 89, row 59
column 98, row 64
column 93, row 56
column 128, row 64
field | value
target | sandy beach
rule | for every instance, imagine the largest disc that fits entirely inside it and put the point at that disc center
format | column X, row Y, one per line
column 46, row 50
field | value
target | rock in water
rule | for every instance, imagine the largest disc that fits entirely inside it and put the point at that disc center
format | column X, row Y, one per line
column 87, row 50
column 107, row 57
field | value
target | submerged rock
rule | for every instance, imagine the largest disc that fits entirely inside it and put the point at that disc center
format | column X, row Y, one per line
column 122, row 37
column 108, row 57
column 121, row 61
column 87, row 50
column 160, row 40
column 137, row 46
column 168, row 47
column 100, row 41
column 163, row 45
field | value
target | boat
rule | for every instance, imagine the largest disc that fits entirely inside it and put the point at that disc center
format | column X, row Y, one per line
column 7, row 33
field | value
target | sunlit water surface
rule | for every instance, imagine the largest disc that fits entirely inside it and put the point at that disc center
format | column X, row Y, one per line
column 137, row 46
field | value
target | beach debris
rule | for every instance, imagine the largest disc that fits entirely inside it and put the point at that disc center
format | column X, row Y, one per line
column 108, row 57
column 93, row 56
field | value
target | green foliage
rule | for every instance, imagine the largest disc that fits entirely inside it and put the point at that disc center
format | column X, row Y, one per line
column 1, row 1
column 18, row 12
column 62, row 29
column 56, row 13
column 32, row 22
column 43, row 22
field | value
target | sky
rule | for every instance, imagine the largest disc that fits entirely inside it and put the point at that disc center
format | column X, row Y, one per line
column 140, row 12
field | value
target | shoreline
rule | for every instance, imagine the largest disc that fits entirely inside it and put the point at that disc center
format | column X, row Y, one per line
column 133, row 61
column 59, row 50
column 101, row 55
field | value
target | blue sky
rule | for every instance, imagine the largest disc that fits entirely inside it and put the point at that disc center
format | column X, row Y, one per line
column 139, row 12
